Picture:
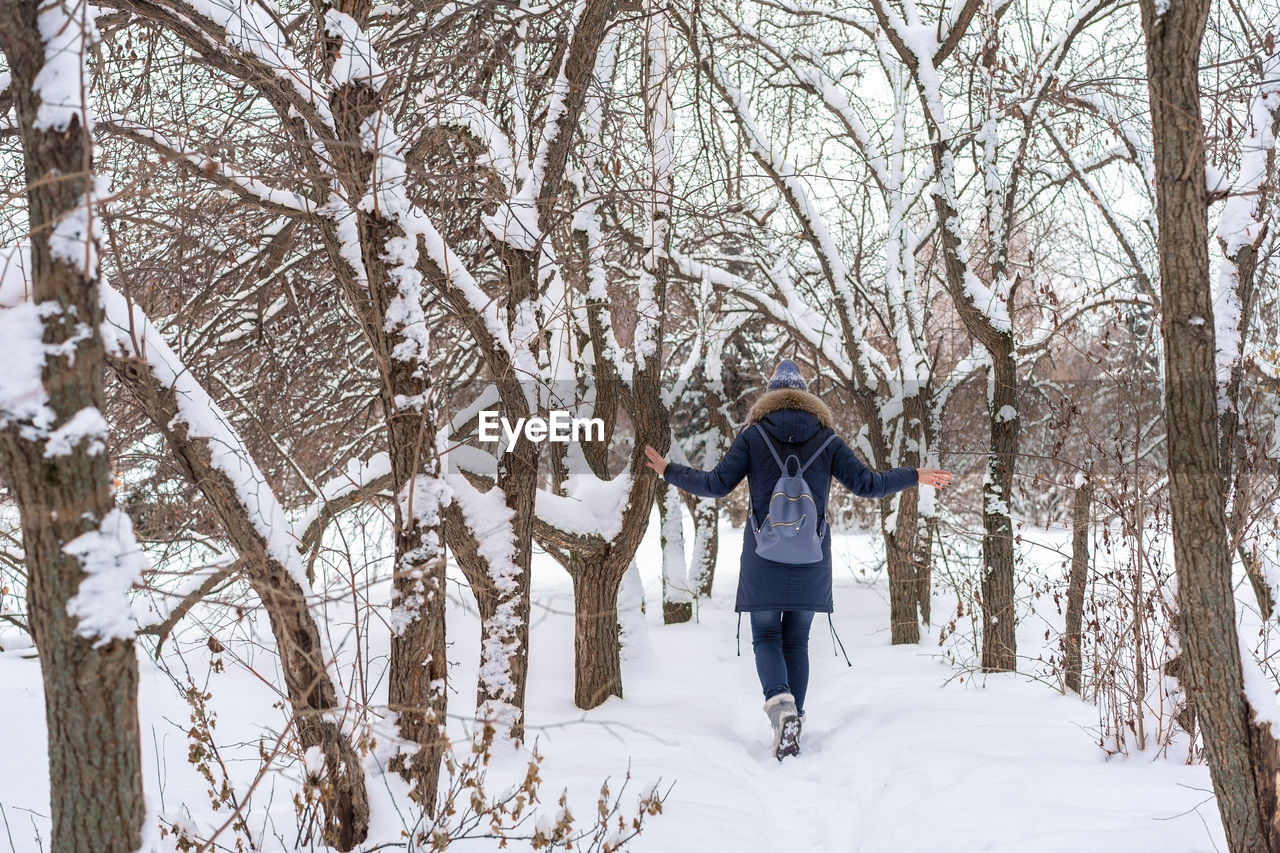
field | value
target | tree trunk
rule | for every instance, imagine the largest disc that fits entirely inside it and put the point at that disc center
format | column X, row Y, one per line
column 999, row 622
column 419, row 667
column 503, row 655
column 1257, row 581
column 518, row 479
column 1239, row 272
column 904, row 584
column 924, row 568
column 902, row 541
column 677, row 597
column 597, row 660
column 90, row 693
column 706, row 544
column 1241, row 754
column 90, row 680
column 416, row 690
column 1076, row 585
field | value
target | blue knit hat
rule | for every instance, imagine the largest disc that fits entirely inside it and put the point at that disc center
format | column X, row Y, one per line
column 787, row 376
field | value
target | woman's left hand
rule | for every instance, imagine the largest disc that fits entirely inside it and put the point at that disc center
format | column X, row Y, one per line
column 935, row 477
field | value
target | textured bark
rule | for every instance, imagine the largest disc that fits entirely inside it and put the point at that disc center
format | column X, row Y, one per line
column 419, row 666
column 90, row 692
column 1076, row 585
column 597, row 659
column 312, row 694
column 676, row 612
column 904, row 585
column 902, row 551
column 1241, row 754
column 418, row 676
column 924, row 568
column 514, row 649
column 1257, row 581
column 999, row 623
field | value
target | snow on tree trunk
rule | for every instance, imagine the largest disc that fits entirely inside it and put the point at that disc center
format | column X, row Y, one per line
column 899, row 530
column 479, row 531
column 677, row 591
column 80, row 552
column 1240, row 233
column 706, row 545
column 633, row 627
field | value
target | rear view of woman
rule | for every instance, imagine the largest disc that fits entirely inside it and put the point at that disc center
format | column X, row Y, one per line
column 788, row 520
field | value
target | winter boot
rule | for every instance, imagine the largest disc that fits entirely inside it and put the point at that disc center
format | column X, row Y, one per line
column 786, row 725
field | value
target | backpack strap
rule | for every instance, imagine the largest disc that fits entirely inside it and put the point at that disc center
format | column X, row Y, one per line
column 776, row 458
column 830, row 439
column 781, row 465
column 769, row 444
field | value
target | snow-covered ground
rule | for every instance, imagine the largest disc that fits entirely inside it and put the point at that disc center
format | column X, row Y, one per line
column 897, row 756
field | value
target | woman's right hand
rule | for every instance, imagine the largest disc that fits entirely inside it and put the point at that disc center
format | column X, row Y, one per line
column 935, row 477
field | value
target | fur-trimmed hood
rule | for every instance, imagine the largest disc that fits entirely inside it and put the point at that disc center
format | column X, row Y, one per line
column 790, row 398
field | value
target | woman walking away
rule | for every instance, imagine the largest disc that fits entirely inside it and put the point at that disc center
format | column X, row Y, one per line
column 788, row 452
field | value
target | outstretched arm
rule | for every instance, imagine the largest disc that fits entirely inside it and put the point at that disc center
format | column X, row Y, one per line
column 862, row 481
column 715, row 483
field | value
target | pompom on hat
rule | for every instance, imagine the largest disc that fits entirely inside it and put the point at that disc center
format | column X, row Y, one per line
column 787, row 376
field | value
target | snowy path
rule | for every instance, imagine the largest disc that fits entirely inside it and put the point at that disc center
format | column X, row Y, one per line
column 893, row 760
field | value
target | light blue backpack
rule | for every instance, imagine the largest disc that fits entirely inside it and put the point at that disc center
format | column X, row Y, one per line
column 789, row 533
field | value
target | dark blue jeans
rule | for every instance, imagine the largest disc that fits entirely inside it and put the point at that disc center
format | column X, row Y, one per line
column 780, row 639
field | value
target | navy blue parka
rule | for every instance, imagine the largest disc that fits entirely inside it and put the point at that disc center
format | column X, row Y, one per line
column 798, row 423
